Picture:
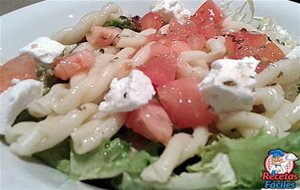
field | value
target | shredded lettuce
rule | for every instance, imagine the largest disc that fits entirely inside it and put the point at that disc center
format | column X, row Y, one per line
column 123, row 22
column 247, row 155
column 109, row 160
column 46, row 76
column 226, row 164
column 217, row 173
column 240, row 13
column 57, row 157
column 264, row 24
column 291, row 90
column 275, row 31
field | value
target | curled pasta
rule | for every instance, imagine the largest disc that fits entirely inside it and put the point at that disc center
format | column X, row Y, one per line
column 288, row 114
column 181, row 147
column 42, row 106
column 75, row 34
column 20, row 129
column 217, row 51
column 247, row 124
column 195, row 63
column 142, row 55
column 186, row 70
column 87, row 46
column 280, row 117
column 129, row 38
column 91, row 87
column 234, row 25
column 49, row 132
column 281, row 72
column 271, row 97
column 91, row 134
column 200, row 137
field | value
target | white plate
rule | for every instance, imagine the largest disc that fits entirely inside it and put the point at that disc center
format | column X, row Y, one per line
column 24, row 25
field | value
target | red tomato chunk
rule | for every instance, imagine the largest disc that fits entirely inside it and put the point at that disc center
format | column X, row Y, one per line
column 152, row 122
column 70, row 65
column 102, row 36
column 208, row 19
column 22, row 67
column 209, row 10
column 151, row 20
column 244, row 43
column 161, row 69
column 184, row 103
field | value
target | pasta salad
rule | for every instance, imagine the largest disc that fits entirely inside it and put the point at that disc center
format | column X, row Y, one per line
column 168, row 100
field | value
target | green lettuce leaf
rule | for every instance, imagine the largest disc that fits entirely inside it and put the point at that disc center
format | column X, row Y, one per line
column 57, row 157
column 108, row 160
column 46, row 76
column 216, row 173
column 123, row 22
column 226, row 164
column 291, row 90
column 247, row 155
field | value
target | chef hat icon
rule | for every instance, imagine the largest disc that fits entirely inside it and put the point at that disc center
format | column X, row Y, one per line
column 276, row 153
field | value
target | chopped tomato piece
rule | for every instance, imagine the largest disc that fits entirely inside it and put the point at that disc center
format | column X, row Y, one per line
column 244, row 43
column 270, row 52
column 208, row 29
column 244, row 37
column 177, row 46
column 209, row 10
column 151, row 20
column 158, row 49
column 178, row 32
column 261, row 66
column 155, row 37
column 22, row 67
column 102, row 36
column 152, row 122
column 184, row 104
column 165, row 46
column 209, row 19
column 161, row 69
column 70, row 65
column 196, row 42
column 179, row 37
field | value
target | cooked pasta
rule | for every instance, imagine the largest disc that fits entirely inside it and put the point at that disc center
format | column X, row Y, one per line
column 90, row 135
column 142, row 55
column 288, row 114
column 61, row 99
column 233, row 25
column 195, row 63
column 281, row 72
column 167, row 77
column 129, row 38
column 271, row 97
column 246, row 124
column 181, row 147
column 75, row 34
column 49, row 132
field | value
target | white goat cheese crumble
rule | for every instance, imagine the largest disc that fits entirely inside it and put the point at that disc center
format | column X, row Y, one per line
column 15, row 99
column 171, row 9
column 229, row 85
column 44, row 49
column 128, row 93
column 294, row 54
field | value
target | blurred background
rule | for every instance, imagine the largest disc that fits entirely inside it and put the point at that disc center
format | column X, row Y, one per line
column 10, row 5
column 7, row 6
